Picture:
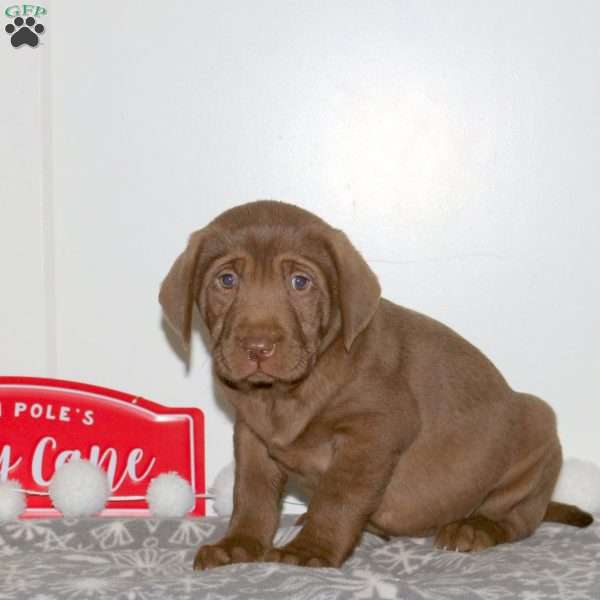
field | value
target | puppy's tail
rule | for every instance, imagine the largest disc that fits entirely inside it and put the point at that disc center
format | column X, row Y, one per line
column 569, row 514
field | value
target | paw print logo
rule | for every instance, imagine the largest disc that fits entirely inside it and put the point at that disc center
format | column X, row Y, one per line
column 24, row 32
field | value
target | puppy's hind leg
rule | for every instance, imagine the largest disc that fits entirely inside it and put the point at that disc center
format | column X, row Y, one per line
column 511, row 512
column 521, row 499
column 470, row 535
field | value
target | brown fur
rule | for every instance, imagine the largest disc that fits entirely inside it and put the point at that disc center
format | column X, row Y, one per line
column 389, row 420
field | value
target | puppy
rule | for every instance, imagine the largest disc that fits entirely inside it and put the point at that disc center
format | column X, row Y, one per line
column 389, row 420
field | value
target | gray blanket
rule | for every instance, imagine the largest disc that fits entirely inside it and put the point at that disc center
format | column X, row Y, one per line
column 151, row 559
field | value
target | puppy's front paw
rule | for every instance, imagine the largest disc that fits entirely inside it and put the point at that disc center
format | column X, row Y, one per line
column 229, row 550
column 303, row 554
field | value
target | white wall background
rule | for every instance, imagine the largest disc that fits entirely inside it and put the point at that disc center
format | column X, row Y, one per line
column 458, row 144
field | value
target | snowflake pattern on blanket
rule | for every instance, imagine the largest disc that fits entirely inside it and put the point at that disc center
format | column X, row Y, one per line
column 151, row 559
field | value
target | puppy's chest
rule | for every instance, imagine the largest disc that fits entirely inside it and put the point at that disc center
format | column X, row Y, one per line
column 300, row 447
column 308, row 456
column 295, row 437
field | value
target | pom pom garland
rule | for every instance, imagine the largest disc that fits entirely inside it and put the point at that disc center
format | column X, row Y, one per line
column 80, row 488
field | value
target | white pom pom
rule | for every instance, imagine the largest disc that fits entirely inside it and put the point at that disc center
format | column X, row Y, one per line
column 79, row 488
column 579, row 484
column 170, row 495
column 12, row 500
column 222, row 489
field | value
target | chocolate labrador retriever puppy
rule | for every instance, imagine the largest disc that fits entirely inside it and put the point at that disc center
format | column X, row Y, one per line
column 389, row 420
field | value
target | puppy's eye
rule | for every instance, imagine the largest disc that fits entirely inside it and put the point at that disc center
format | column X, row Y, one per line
column 300, row 282
column 227, row 280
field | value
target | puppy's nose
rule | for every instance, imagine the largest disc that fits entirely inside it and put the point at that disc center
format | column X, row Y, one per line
column 258, row 348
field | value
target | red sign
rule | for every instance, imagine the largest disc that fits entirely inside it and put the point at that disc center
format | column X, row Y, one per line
column 46, row 422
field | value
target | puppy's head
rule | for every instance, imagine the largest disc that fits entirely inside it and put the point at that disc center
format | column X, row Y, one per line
column 274, row 284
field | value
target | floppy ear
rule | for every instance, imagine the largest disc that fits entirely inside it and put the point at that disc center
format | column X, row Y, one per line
column 358, row 288
column 180, row 286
